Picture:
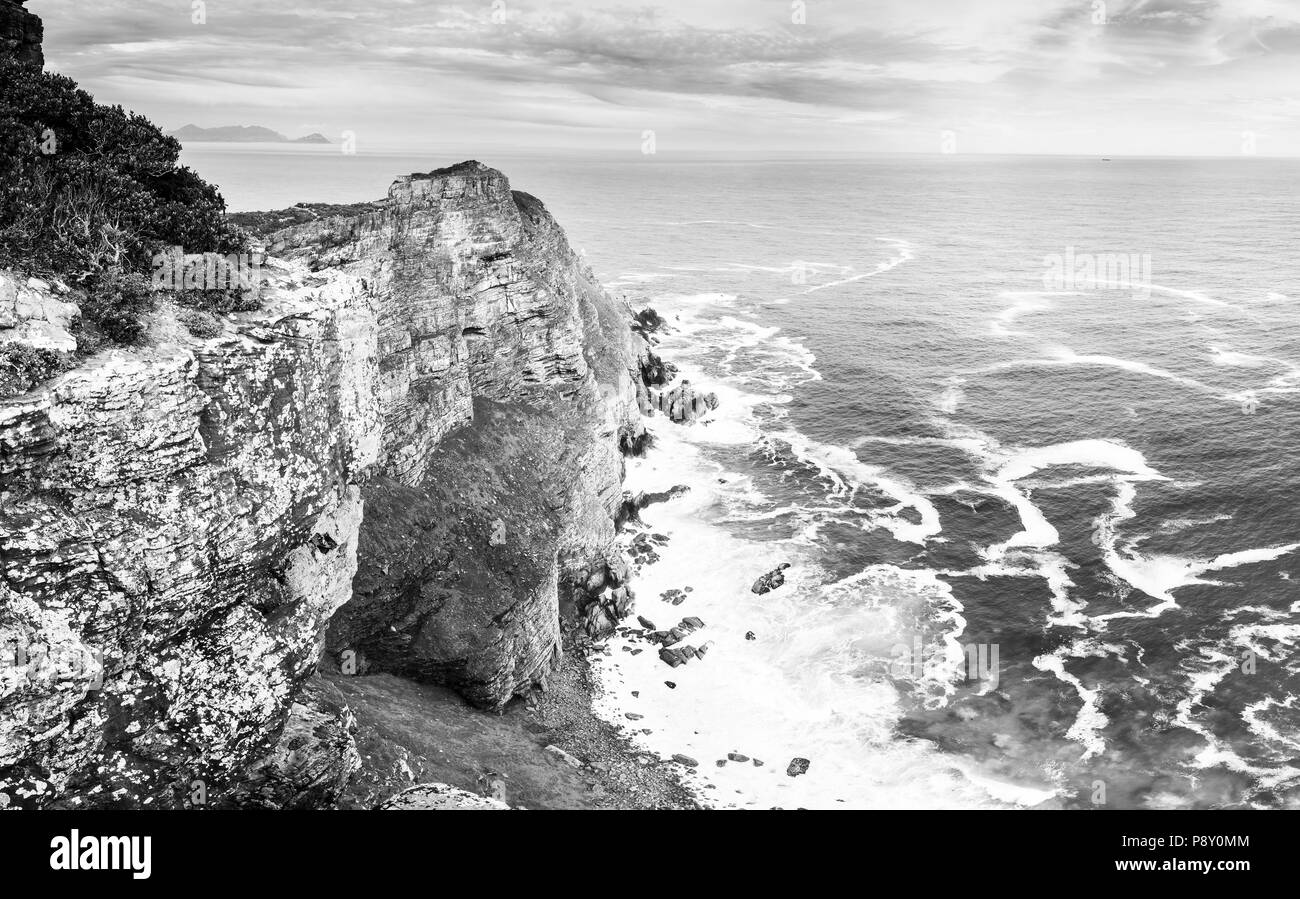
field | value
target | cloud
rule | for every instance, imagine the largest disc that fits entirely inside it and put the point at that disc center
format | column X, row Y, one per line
column 887, row 75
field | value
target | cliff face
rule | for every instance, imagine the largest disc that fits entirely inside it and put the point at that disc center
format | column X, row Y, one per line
column 487, row 319
column 20, row 32
column 410, row 455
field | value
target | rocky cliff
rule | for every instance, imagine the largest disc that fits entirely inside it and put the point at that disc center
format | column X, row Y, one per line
column 407, row 460
column 20, row 32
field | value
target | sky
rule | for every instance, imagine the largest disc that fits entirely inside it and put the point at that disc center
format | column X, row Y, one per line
column 1123, row 77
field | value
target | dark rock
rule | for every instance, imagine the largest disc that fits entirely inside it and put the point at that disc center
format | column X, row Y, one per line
column 737, row 757
column 634, row 440
column 642, row 549
column 749, row 635
column 20, row 33
column 655, row 372
column 676, row 597
column 683, row 403
column 797, row 766
column 770, row 581
column 630, row 510
column 686, row 760
column 648, row 321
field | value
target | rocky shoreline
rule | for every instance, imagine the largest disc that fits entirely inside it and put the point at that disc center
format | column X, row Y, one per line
column 548, row 748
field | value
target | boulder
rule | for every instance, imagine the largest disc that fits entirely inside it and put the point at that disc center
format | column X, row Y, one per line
column 770, row 581
column 683, row 403
column 441, row 798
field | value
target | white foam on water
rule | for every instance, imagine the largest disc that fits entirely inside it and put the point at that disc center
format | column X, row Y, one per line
column 813, row 684
column 842, row 465
column 1177, row 525
column 700, row 345
column 905, row 253
column 1094, row 453
column 724, row 222
column 1196, row 297
column 1255, row 717
column 1026, row 302
column 1090, row 721
column 636, row 278
column 1234, row 359
column 1220, row 661
column 798, row 267
column 1159, row 575
column 952, row 395
column 1063, row 356
column 1030, row 553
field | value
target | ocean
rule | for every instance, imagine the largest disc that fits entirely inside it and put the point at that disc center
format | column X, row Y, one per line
column 1024, row 429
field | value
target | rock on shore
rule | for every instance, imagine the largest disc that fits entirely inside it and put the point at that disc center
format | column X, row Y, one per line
column 770, row 581
column 441, row 798
column 683, row 403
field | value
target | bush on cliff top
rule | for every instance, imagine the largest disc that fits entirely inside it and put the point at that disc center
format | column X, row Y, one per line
column 264, row 224
column 89, row 193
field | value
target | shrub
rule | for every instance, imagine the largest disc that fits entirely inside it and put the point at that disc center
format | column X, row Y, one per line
column 91, row 192
column 199, row 323
column 22, row 367
column 116, row 303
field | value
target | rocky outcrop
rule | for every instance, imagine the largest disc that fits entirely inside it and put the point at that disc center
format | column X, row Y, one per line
column 770, row 581
column 441, row 798
column 633, row 504
column 34, row 313
column 489, row 324
column 682, row 403
column 410, row 455
column 20, row 33
column 313, row 759
column 187, row 515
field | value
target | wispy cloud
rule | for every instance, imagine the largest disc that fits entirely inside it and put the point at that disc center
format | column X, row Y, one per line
column 1155, row 76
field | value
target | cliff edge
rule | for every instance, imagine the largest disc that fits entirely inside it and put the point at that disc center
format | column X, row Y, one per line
column 408, row 459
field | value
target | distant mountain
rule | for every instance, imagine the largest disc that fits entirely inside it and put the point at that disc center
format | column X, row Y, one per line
column 242, row 134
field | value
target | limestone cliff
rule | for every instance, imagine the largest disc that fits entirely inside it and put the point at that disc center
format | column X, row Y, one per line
column 407, row 460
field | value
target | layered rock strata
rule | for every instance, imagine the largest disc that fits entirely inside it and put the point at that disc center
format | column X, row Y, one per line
column 410, row 455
